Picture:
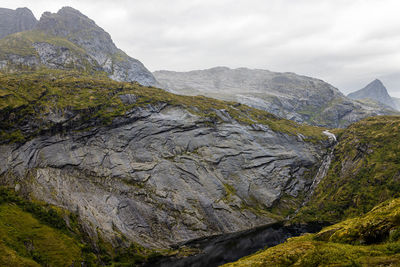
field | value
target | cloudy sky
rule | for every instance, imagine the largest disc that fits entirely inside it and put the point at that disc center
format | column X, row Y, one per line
column 347, row 43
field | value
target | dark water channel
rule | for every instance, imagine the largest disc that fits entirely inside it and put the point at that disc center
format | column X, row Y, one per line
column 220, row 249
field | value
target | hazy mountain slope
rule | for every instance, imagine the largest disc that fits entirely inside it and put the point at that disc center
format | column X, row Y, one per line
column 12, row 21
column 154, row 167
column 375, row 91
column 295, row 97
column 369, row 240
column 397, row 102
column 70, row 40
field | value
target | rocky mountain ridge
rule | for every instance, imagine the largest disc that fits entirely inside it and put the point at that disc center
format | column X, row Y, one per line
column 67, row 40
column 299, row 98
column 375, row 91
column 12, row 21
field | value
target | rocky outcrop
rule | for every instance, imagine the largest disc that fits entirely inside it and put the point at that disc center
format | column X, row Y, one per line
column 12, row 21
column 288, row 95
column 375, row 91
column 160, row 175
column 70, row 40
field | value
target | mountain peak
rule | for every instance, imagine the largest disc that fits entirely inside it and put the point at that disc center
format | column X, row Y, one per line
column 376, row 91
column 12, row 21
column 81, row 44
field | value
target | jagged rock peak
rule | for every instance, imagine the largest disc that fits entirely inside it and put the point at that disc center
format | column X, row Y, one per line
column 12, row 21
column 375, row 91
column 71, row 24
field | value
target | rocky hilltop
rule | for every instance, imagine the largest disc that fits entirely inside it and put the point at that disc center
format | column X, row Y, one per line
column 70, row 40
column 12, row 21
column 291, row 96
column 375, row 91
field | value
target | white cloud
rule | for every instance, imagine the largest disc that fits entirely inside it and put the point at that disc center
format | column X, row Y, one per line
column 347, row 43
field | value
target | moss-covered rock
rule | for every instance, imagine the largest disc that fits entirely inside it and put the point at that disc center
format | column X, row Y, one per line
column 364, row 171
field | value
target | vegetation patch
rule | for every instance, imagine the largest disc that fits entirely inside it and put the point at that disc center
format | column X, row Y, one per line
column 36, row 234
column 365, row 171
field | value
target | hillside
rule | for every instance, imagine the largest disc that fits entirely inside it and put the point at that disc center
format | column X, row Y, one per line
column 363, row 173
column 288, row 95
column 70, row 40
column 370, row 240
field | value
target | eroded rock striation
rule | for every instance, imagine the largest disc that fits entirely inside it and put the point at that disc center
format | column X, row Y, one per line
column 161, row 175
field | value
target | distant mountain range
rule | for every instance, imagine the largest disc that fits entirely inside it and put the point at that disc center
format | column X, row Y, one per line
column 64, row 40
column 375, row 91
column 288, row 95
column 70, row 40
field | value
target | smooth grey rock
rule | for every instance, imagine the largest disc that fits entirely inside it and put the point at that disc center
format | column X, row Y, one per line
column 161, row 175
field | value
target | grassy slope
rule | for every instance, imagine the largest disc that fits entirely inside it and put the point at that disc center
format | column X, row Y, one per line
column 365, row 171
column 370, row 240
column 22, row 44
column 36, row 234
column 28, row 96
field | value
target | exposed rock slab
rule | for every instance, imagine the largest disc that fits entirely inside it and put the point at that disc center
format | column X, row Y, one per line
column 161, row 175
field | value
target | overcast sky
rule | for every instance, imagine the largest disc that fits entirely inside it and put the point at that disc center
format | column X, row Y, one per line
column 347, row 43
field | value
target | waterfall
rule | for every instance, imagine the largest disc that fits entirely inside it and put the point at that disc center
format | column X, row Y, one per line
column 323, row 169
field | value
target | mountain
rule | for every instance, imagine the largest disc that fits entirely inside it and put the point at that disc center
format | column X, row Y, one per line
column 154, row 167
column 375, row 91
column 288, row 95
column 12, row 21
column 70, row 40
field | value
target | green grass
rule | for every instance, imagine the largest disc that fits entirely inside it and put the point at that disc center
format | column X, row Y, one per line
column 22, row 43
column 364, row 172
column 370, row 240
column 36, row 234
column 29, row 96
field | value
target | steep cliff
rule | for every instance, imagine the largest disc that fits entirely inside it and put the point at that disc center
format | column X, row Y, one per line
column 288, row 95
column 148, row 165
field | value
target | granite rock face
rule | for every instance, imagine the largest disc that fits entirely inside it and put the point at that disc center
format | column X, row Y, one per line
column 161, row 175
column 375, row 91
column 12, row 21
column 68, row 39
column 288, row 95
